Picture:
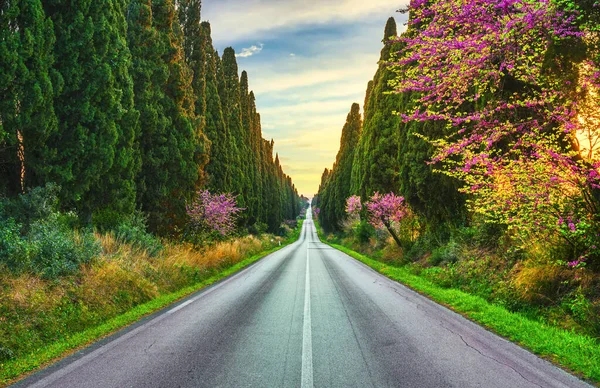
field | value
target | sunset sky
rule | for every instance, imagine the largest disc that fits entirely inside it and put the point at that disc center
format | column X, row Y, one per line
column 308, row 61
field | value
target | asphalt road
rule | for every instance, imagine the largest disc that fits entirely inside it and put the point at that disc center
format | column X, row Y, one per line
column 307, row 315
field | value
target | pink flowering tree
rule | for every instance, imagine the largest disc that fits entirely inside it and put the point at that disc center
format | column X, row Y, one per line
column 316, row 212
column 384, row 210
column 214, row 213
column 520, row 115
column 353, row 206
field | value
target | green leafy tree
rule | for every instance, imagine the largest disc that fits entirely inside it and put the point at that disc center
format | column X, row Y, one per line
column 240, row 139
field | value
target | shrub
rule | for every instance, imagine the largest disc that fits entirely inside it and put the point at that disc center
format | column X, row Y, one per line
column 258, row 229
column 139, row 237
column 37, row 204
column 363, row 231
column 58, row 250
column 14, row 250
column 133, row 230
column 448, row 253
column 107, row 220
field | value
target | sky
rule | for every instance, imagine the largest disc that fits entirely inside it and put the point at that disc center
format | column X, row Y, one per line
column 307, row 62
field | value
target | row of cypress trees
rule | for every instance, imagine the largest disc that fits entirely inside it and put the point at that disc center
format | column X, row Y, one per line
column 126, row 104
column 382, row 154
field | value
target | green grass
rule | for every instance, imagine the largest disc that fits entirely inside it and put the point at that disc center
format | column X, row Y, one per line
column 18, row 368
column 577, row 353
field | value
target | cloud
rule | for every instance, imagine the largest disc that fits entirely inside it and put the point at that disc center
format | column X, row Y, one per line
column 250, row 51
column 321, row 54
column 262, row 16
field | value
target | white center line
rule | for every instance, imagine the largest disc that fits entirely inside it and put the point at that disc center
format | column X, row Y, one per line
column 307, row 363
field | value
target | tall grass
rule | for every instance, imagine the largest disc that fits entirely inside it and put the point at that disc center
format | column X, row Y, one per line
column 43, row 319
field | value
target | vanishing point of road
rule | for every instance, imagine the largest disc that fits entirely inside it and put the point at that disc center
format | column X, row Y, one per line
column 305, row 316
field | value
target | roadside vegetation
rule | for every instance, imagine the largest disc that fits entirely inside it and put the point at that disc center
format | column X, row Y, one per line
column 574, row 351
column 63, row 286
column 474, row 173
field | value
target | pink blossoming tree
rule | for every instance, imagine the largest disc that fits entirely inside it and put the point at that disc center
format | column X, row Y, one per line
column 520, row 129
column 386, row 209
column 214, row 213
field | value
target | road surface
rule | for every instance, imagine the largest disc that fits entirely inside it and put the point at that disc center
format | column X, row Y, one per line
column 305, row 316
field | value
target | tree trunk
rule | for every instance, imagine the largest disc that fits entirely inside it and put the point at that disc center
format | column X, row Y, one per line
column 394, row 236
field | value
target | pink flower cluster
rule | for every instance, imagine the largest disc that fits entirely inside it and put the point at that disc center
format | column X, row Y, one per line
column 214, row 212
column 385, row 209
column 353, row 205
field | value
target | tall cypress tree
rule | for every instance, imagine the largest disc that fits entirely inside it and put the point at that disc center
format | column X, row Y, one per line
column 194, row 48
column 376, row 167
column 218, row 168
column 247, row 114
column 337, row 188
column 27, row 116
column 172, row 144
column 94, row 107
column 232, row 109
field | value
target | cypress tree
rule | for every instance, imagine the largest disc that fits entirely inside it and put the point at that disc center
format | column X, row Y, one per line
column 194, row 48
column 247, row 115
column 376, row 168
column 344, row 161
column 218, row 168
column 27, row 116
column 232, row 109
column 258, row 168
column 172, row 144
column 336, row 188
column 97, row 122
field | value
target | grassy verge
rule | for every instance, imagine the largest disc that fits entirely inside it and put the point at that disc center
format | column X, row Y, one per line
column 17, row 368
column 577, row 353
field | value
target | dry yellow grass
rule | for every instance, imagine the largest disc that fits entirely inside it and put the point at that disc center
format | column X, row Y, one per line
column 36, row 312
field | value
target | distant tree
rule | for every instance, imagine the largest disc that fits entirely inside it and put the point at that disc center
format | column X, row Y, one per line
column 337, row 187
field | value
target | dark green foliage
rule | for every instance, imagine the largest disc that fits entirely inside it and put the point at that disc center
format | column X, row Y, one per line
column 97, row 160
column 14, row 250
column 432, row 195
column 111, row 100
column 57, row 250
column 389, row 157
column 218, row 168
column 172, row 144
column 36, row 237
column 375, row 168
column 240, row 139
column 27, row 116
column 37, row 204
column 363, row 232
column 332, row 198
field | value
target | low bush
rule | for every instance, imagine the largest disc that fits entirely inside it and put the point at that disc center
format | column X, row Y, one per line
column 36, row 237
column 133, row 230
column 57, row 250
